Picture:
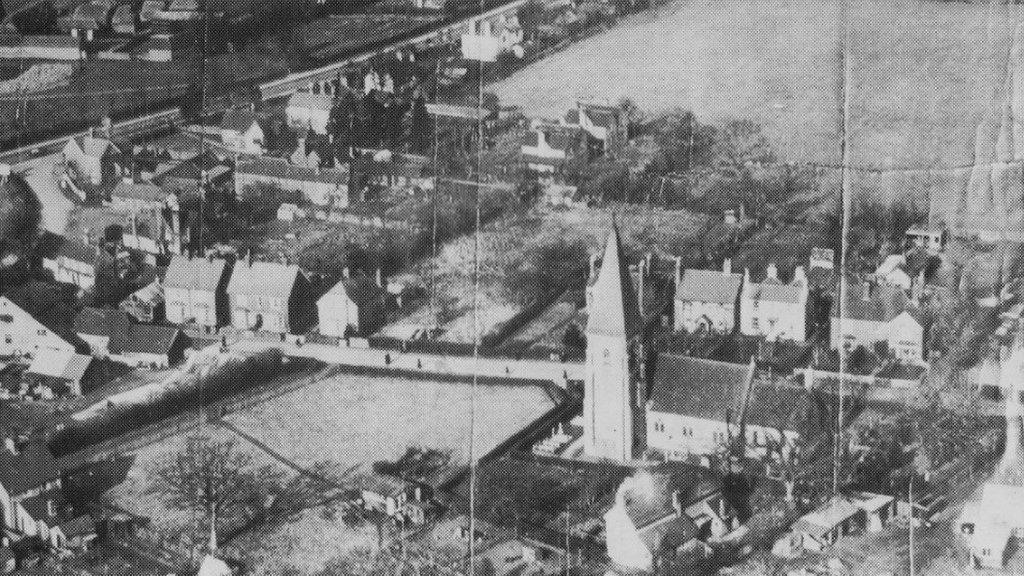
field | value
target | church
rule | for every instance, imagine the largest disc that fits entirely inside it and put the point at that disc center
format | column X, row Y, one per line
column 614, row 390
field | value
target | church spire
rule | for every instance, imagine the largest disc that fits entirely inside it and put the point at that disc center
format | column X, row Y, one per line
column 614, row 311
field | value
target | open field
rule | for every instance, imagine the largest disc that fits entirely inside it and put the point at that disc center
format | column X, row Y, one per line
column 355, row 419
column 923, row 73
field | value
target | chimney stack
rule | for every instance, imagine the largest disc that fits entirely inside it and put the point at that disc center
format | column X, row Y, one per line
column 772, row 271
column 677, row 504
column 11, row 446
column 679, row 270
column 727, row 266
column 867, row 291
column 799, row 276
column 345, row 273
column 380, row 278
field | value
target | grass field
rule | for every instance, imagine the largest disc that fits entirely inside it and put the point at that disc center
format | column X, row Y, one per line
column 923, row 73
column 353, row 419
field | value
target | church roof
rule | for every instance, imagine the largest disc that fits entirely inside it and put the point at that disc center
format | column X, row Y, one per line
column 615, row 311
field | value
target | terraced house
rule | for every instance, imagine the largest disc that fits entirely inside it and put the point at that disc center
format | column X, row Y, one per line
column 195, row 291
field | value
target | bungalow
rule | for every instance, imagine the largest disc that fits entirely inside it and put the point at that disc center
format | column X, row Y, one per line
column 95, row 159
column 548, row 151
column 773, row 309
column 707, row 300
column 696, row 405
column 269, row 296
column 23, row 335
column 394, row 497
column 320, row 186
column 827, row 524
column 308, row 110
column 70, row 261
column 355, row 305
column 931, row 238
column 195, row 291
column 240, row 131
column 665, row 513
column 875, row 314
column 63, row 372
column 31, row 492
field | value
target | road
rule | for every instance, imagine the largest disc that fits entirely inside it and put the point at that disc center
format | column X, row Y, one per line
column 56, row 205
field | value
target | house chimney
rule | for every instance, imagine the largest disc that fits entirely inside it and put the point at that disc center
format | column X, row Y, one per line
column 5, row 172
column 772, row 271
column 866, row 296
column 593, row 265
column 679, row 270
column 345, row 273
column 677, row 504
column 799, row 276
column 248, row 258
column 380, row 278
column 11, row 446
column 727, row 266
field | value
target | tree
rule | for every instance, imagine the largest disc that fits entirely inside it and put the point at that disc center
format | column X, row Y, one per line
column 739, row 144
column 420, row 130
column 20, row 218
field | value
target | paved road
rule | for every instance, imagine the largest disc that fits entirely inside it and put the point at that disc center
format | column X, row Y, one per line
column 56, row 205
column 556, row 372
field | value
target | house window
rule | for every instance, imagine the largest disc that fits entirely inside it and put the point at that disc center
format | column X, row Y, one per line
column 755, row 324
column 40, row 332
column 6, row 318
column 7, row 339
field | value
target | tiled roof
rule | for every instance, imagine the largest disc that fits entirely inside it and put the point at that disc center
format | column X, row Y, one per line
column 238, row 119
column 782, row 407
column 280, row 168
column 308, row 100
column 32, row 467
column 263, row 278
column 144, row 339
column 775, row 292
column 195, row 273
column 882, row 304
column 709, row 286
column 101, row 322
column 826, row 517
column 62, row 364
column 615, row 311
column 360, row 288
column 700, row 388
column 138, row 191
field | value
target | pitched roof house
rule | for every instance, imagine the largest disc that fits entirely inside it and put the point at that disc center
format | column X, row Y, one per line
column 30, row 489
column 96, row 159
column 356, row 304
column 707, row 300
column 662, row 513
column 70, row 261
column 62, row 371
column 696, row 404
column 25, row 329
column 547, row 151
column 240, row 130
column 195, row 291
column 269, row 296
column 878, row 313
column 321, row 186
column 774, row 309
column 115, row 334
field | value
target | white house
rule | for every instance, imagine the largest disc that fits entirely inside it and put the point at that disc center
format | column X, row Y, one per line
column 878, row 313
column 773, row 309
column 707, row 299
column 72, row 262
column 269, row 296
column 696, row 405
column 546, row 151
column 308, row 110
column 22, row 335
column 30, row 491
column 195, row 291
column 327, row 186
column 355, row 304
column 240, row 131
column 95, row 159
column 931, row 238
column 664, row 513
column 63, row 371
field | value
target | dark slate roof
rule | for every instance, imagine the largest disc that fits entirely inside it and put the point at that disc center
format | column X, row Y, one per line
column 101, row 322
column 700, row 388
column 651, row 501
column 615, row 311
column 138, row 191
column 360, row 288
column 264, row 278
column 238, row 119
column 882, row 304
column 195, row 273
column 778, row 407
column 709, row 286
column 603, row 116
column 50, row 304
column 144, row 339
column 31, row 468
column 75, row 250
column 774, row 291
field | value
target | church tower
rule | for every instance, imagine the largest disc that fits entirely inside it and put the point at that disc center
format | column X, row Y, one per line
column 613, row 406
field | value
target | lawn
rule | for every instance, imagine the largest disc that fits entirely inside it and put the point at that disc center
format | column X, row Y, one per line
column 354, row 419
